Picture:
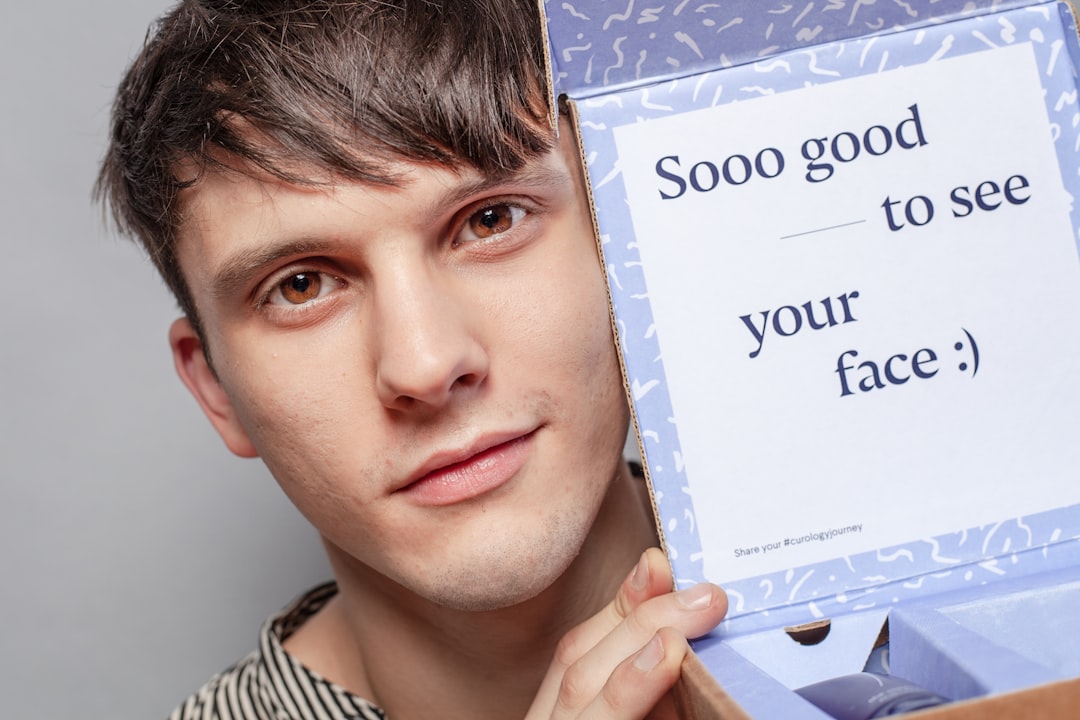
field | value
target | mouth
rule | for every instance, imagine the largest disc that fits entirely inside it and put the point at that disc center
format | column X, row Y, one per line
column 454, row 477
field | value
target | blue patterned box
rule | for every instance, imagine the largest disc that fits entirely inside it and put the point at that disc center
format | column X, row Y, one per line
column 841, row 244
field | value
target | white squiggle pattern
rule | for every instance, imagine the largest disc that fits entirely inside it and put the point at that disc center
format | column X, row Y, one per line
column 937, row 557
column 799, row 18
column 904, row 553
column 1039, row 542
column 1066, row 98
column 642, row 57
column 568, row 53
column 698, row 85
column 618, row 286
column 1056, row 47
column 907, row 6
column 615, row 17
column 946, row 47
column 733, row 23
column 989, row 537
column 1030, row 536
column 1008, row 32
column 572, row 12
column 916, row 583
column 814, row 23
column 806, row 35
column 814, row 69
column 611, row 177
column 620, row 58
column 689, row 42
column 716, row 96
column 739, row 604
column 641, row 389
column 765, row 67
column 798, row 586
column 649, row 15
column 867, row 47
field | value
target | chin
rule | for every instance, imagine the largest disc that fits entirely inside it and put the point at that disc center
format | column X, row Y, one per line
column 508, row 571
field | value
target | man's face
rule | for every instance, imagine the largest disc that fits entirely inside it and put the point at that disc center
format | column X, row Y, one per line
column 428, row 371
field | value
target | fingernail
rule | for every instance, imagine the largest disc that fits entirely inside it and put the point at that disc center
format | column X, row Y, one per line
column 639, row 576
column 650, row 655
column 695, row 598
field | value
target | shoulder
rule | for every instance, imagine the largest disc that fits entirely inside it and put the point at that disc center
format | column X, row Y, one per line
column 269, row 684
column 229, row 695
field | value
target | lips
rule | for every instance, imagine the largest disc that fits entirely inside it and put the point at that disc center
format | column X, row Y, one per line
column 450, row 478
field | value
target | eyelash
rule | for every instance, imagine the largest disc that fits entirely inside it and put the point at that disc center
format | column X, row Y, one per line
column 518, row 212
column 328, row 281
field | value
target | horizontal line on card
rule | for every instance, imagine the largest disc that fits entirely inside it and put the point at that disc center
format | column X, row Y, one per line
column 831, row 227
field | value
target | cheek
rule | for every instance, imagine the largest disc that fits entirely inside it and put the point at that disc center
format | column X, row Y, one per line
column 570, row 334
column 290, row 402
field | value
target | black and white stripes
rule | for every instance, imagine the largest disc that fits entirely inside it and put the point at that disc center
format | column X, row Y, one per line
column 269, row 684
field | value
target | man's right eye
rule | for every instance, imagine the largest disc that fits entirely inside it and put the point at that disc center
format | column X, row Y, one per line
column 301, row 288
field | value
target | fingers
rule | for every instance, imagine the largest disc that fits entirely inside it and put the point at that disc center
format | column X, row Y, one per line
column 621, row 662
column 640, row 681
column 688, row 613
column 650, row 578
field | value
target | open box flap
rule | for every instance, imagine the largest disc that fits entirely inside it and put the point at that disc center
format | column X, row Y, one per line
column 967, row 553
column 601, row 45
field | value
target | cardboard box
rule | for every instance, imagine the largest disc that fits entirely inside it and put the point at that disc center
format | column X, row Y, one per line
column 841, row 245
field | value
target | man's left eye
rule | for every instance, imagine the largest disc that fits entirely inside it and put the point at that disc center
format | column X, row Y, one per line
column 490, row 221
column 301, row 288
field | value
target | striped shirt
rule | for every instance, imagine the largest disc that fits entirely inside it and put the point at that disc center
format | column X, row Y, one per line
column 269, row 684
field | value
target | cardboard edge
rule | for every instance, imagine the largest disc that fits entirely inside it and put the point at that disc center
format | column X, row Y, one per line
column 1053, row 700
column 698, row 696
column 572, row 112
column 1071, row 5
column 549, row 71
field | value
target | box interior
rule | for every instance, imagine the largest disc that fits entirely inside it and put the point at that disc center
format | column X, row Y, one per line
column 966, row 644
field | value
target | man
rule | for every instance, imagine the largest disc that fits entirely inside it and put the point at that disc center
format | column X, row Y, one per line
column 385, row 259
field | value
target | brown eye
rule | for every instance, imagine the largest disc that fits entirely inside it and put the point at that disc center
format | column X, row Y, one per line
column 491, row 221
column 301, row 288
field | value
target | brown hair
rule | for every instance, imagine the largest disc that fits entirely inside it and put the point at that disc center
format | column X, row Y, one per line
column 342, row 85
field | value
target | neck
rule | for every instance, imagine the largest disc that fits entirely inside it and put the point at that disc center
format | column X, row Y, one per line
column 460, row 663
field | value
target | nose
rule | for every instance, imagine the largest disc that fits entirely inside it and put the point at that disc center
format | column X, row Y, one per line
column 427, row 345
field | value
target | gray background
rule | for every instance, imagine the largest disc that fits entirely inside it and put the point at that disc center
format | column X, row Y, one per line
column 138, row 556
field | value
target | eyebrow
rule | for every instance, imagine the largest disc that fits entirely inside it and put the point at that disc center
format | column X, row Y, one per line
column 237, row 270
column 536, row 175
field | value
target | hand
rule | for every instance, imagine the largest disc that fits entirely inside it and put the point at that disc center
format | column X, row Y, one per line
column 619, row 663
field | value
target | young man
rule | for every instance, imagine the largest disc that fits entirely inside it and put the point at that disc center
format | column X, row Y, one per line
column 386, row 264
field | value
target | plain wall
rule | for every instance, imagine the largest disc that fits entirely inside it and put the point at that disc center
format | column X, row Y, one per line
column 138, row 556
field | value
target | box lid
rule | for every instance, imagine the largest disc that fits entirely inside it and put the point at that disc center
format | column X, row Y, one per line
column 601, row 45
column 1030, row 48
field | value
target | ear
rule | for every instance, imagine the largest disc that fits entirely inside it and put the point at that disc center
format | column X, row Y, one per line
column 195, row 372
